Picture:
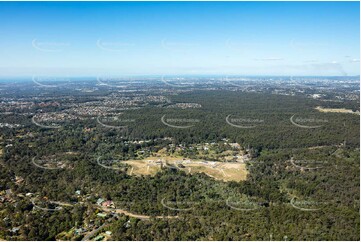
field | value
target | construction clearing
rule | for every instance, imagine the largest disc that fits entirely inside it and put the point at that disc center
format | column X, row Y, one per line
column 226, row 171
column 336, row 110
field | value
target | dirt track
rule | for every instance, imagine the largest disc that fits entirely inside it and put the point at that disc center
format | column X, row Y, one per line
column 139, row 216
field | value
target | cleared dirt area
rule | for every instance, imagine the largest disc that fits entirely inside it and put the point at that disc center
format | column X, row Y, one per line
column 141, row 167
column 226, row 171
column 336, row 110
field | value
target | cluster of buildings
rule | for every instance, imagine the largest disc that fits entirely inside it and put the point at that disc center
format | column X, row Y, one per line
column 7, row 106
column 105, row 203
column 111, row 104
column 51, row 117
column 92, row 110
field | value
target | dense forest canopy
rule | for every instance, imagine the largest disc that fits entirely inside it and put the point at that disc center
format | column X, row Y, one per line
column 302, row 183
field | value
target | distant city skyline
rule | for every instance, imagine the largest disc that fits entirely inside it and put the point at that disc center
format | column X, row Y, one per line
column 180, row 38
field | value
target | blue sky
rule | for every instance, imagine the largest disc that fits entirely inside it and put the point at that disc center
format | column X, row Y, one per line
column 162, row 38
